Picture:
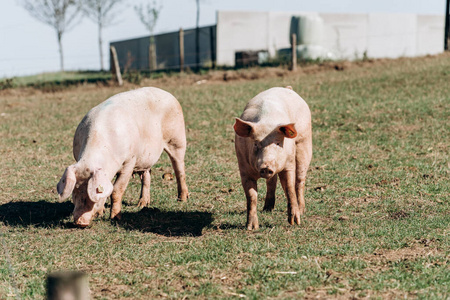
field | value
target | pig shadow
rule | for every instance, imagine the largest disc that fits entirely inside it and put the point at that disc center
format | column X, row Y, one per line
column 40, row 214
column 167, row 223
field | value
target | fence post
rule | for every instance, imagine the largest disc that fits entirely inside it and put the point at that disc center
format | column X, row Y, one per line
column 181, row 43
column 447, row 26
column 293, row 52
column 115, row 68
column 152, row 54
column 68, row 285
column 212, row 42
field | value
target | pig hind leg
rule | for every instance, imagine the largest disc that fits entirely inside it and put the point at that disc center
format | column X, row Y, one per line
column 145, row 189
column 119, row 189
column 176, row 151
column 269, row 203
column 303, row 158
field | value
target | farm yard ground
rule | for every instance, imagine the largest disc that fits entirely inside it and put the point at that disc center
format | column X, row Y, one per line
column 378, row 214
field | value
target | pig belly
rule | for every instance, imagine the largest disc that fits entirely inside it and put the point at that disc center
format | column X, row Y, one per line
column 148, row 159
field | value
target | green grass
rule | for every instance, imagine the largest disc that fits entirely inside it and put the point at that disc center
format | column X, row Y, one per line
column 378, row 214
column 58, row 76
column 54, row 81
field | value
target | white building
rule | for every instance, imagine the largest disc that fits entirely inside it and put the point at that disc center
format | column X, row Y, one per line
column 345, row 36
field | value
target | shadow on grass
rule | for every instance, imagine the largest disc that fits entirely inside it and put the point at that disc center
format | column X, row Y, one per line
column 41, row 213
column 167, row 223
column 230, row 226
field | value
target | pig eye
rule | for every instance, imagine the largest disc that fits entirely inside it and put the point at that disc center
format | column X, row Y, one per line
column 278, row 144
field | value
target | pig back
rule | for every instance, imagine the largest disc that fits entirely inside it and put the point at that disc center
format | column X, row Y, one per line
column 277, row 106
column 128, row 124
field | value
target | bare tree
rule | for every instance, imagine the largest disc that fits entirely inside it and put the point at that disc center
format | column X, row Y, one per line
column 59, row 14
column 148, row 14
column 197, row 36
column 101, row 12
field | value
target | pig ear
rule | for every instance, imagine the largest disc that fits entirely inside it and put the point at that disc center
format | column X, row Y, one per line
column 242, row 128
column 288, row 130
column 67, row 183
column 99, row 186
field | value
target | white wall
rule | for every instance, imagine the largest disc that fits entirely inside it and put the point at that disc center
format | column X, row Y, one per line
column 430, row 34
column 346, row 36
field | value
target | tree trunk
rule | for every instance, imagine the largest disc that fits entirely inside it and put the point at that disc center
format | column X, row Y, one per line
column 61, row 55
column 100, row 46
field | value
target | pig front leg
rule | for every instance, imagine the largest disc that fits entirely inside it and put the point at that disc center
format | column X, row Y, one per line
column 101, row 211
column 287, row 179
column 251, row 193
column 119, row 188
column 145, row 189
column 269, row 203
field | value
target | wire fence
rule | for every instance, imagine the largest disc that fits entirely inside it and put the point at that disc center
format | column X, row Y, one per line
column 134, row 54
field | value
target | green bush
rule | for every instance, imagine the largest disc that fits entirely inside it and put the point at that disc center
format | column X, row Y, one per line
column 7, row 83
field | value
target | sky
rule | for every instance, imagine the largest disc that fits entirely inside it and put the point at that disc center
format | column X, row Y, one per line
column 29, row 47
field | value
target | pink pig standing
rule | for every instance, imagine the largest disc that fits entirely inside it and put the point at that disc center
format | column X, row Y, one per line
column 273, row 136
column 123, row 135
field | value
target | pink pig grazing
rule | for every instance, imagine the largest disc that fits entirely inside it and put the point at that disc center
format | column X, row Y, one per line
column 123, row 135
column 273, row 136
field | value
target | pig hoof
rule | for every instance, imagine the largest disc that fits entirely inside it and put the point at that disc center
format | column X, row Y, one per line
column 252, row 224
column 294, row 218
column 143, row 203
column 183, row 196
column 116, row 216
column 267, row 208
column 251, row 227
column 182, row 199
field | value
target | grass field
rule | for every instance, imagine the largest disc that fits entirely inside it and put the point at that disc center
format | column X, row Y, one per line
column 378, row 216
column 55, row 81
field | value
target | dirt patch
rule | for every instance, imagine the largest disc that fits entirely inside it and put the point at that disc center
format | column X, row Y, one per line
column 349, row 293
column 398, row 215
column 319, row 221
column 404, row 128
column 410, row 253
column 393, row 182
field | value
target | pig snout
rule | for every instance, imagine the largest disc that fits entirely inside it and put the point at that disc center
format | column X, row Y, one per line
column 266, row 172
column 267, row 164
column 82, row 219
column 82, row 216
